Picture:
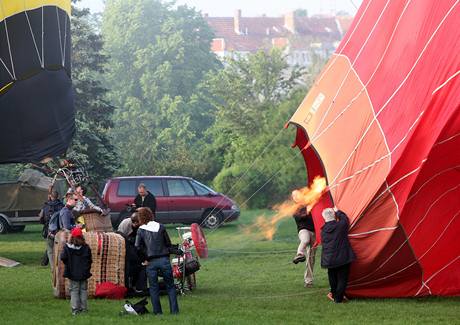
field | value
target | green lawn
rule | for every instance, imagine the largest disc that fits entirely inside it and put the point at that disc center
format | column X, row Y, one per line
column 244, row 281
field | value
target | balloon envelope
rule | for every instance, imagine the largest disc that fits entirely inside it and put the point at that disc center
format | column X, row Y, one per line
column 36, row 96
column 382, row 124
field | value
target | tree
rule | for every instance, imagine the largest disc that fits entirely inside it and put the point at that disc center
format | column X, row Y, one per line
column 158, row 56
column 92, row 144
column 254, row 97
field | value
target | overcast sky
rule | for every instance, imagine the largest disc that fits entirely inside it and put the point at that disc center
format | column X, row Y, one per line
column 226, row 8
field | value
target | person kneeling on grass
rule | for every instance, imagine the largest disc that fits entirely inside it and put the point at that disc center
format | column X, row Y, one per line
column 153, row 241
column 77, row 259
column 337, row 254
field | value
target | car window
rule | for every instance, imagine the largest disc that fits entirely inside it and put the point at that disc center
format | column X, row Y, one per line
column 179, row 187
column 200, row 189
column 154, row 186
column 127, row 188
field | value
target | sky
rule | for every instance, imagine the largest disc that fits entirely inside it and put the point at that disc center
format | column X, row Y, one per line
column 252, row 8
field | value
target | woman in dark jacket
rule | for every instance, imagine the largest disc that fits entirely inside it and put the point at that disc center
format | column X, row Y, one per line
column 337, row 254
column 153, row 241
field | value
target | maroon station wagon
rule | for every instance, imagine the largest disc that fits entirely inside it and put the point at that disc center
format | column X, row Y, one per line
column 179, row 200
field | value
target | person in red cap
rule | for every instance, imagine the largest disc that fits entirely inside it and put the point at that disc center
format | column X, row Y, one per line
column 77, row 259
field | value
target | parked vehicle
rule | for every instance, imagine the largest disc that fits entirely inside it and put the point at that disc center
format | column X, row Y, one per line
column 179, row 200
column 21, row 201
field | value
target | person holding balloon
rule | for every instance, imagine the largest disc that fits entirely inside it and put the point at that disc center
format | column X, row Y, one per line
column 336, row 254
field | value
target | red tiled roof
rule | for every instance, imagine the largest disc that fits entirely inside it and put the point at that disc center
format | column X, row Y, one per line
column 264, row 32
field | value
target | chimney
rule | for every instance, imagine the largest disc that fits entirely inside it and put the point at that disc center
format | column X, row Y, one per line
column 237, row 22
column 289, row 21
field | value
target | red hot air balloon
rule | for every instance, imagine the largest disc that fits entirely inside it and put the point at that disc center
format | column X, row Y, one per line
column 382, row 124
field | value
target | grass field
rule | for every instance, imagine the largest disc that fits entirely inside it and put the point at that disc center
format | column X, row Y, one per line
column 245, row 280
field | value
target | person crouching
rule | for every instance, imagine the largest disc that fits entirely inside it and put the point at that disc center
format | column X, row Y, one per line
column 77, row 259
column 153, row 240
column 337, row 254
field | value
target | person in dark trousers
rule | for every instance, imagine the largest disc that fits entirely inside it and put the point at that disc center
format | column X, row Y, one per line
column 49, row 208
column 66, row 217
column 307, row 238
column 135, row 274
column 153, row 240
column 337, row 254
column 77, row 259
column 145, row 198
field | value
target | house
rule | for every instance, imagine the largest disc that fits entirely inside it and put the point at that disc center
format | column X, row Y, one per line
column 301, row 37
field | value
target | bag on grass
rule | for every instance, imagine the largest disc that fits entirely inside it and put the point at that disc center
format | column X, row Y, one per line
column 191, row 266
column 137, row 309
column 110, row 290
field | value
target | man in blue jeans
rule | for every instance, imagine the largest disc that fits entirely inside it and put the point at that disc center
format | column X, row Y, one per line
column 153, row 241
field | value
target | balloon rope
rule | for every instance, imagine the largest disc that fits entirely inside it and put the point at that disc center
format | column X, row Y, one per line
column 43, row 41
column 261, row 187
column 8, row 40
column 241, row 177
column 32, row 34
column 59, row 29
column 65, row 39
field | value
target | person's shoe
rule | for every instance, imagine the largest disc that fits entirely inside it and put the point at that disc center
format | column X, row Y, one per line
column 299, row 258
column 45, row 260
column 330, row 297
column 308, row 285
column 75, row 312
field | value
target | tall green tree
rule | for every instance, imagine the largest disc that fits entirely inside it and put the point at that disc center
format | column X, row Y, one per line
column 159, row 53
column 254, row 97
column 92, row 144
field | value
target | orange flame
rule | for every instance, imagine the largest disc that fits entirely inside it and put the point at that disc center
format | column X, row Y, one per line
column 307, row 196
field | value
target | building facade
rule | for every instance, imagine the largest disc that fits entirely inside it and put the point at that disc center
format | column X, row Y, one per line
column 300, row 37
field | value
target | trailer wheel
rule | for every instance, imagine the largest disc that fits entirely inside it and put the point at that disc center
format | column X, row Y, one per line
column 4, row 227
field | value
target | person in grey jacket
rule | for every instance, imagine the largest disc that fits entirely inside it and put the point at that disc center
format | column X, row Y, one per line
column 336, row 254
column 153, row 241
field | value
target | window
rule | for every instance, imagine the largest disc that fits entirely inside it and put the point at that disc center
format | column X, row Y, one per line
column 201, row 189
column 127, row 188
column 154, row 186
column 179, row 187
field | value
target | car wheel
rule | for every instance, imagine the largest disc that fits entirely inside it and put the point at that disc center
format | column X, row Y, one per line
column 4, row 227
column 17, row 228
column 212, row 219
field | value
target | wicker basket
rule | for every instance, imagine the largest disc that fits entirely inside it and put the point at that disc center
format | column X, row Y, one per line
column 95, row 221
column 108, row 253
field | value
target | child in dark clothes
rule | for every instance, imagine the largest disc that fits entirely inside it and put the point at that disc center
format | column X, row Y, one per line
column 337, row 254
column 77, row 259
